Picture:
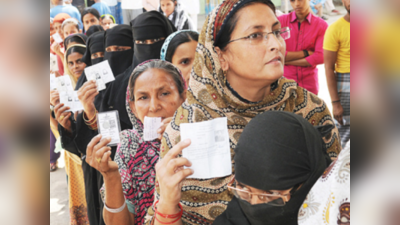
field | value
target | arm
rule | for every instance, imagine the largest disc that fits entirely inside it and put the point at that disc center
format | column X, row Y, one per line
column 318, row 57
column 299, row 62
column 98, row 149
column 293, row 56
column 330, row 60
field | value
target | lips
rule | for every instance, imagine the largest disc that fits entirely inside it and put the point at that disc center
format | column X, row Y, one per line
column 276, row 59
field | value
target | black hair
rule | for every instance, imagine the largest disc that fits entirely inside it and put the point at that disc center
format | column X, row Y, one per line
column 179, row 39
column 76, row 39
column 78, row 49
column 231, row 24
column 90, row 10
column 157, row 64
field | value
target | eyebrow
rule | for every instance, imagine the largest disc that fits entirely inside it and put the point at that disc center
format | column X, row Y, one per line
column 157, row 89
column 258, row 27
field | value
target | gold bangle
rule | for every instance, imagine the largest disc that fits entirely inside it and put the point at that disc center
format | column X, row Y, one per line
column 87, row 120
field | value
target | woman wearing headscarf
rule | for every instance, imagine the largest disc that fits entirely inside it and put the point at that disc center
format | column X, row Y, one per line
column 175, row 12
column 287, row 156
column 73, row 162
column 136, row 157
column 179, row 49
column 238, row 75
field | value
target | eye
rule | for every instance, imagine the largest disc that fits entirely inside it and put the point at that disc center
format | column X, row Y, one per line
column 165, row 94
column 277, row 33
column 142, row 98
column 185, row 61
column 255, row 36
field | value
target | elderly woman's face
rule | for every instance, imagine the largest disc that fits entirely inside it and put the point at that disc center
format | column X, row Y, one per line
column 156, row 95
column 259, row 62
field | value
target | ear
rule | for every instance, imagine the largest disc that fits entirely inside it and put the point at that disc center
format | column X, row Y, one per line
column 222, row 59
column 324, row 130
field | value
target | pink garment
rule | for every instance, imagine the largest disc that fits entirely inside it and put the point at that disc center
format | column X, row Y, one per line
column 309, row 37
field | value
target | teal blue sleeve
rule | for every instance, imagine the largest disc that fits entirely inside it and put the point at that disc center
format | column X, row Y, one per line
column 131, row 207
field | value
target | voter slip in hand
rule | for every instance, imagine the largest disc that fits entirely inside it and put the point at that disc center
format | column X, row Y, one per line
column 151, row 125
column 71, row 100
column 209, row 151
column 101, row 73
column 57, row 38
column 108, row 125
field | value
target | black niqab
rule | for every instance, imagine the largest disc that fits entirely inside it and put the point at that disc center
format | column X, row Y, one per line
column 78, row 38
column 120, row 35
column 95, row 44
column 276, row 151
column 94, row 29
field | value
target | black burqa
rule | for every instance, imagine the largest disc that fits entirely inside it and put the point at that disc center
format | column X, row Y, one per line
column 148, row 25
column 78, row 38
column 94, row 29
column 276, row 151
column 120, row 35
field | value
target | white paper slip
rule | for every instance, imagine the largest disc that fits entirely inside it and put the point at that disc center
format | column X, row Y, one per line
column 53, row 63
column 64, row 83
column 151, row 125
column 53, row 81
column 108, row 125
column 57, row 38
column 101, row 73
column 70, row 99
column 209, row 151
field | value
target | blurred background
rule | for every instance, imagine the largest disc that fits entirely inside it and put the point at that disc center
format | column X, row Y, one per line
column 24, row 139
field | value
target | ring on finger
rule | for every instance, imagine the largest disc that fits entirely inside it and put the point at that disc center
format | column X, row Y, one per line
column 98, row 160
column 62, row 117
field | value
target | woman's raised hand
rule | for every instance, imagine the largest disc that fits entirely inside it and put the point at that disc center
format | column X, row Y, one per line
column 86, row 94
column 170, row 174
column 98, row 156
column 164, row 125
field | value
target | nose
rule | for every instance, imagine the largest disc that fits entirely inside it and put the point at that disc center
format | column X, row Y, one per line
column 274, row 44
column 154, row 105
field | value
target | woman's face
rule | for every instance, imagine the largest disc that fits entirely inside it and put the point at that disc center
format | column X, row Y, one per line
column 183, row 58
column 106, row 22
column 167, row 6
column 255, row 200
column 75, row 64
column 116, row 48
column 255, row 64
column 156, row 95
column 70, row 29
column 90, row 20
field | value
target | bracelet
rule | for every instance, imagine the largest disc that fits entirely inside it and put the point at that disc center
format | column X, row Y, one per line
column 115, row 210
column 336, row 101
column 177, row 216
column 91, row 120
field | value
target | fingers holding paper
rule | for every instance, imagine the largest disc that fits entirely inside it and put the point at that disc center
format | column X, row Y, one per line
column 171, row 172
column 62, row 116
column 98, row 155
column 86, row 94
column 164, row 125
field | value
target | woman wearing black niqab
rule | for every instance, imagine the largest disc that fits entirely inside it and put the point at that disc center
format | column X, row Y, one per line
column 94, row 29
column 151, row 27
column 276, row 151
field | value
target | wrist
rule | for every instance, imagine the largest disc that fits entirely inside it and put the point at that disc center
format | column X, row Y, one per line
column 112, row 176
column 336, row 101
column 167, row 207
column 90, row 112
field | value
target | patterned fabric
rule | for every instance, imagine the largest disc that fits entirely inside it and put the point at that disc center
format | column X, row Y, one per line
column 343, row 86
column 329, row 200
column 165, row 46
column 209, row 97
column 136, row 160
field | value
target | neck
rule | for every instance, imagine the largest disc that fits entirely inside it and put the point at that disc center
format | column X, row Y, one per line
column 249, row 90
column 347, row 17
column 302, row 16
column 97, row 1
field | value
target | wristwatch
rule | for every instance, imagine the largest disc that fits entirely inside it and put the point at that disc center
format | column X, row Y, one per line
column 305, row 53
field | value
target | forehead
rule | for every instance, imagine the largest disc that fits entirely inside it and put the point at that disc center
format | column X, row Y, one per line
column 152, row 79
column 74, row 56
column 187, row 48
column 257, row 14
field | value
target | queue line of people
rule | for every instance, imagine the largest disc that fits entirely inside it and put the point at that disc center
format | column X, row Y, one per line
column 233, row 69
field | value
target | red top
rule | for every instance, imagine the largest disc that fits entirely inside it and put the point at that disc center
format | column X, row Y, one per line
column 309, row 37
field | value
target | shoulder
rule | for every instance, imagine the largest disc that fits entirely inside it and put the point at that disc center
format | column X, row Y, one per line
column 285, row 18
column 322, row 24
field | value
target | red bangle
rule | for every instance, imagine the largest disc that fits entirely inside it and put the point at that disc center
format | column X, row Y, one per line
column 177, row 216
